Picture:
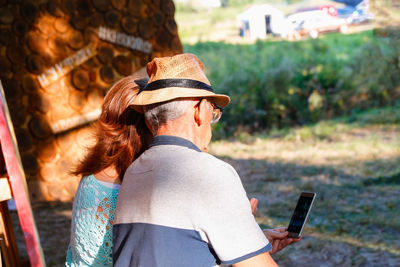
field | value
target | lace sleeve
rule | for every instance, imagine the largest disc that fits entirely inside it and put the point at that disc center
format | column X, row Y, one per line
column 91, row 225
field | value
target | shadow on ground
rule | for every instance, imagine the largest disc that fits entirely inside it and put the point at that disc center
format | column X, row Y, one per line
column 354, row 220
column 352, row 223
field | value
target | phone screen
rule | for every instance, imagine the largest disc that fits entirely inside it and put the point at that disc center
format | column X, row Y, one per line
column 300, row 214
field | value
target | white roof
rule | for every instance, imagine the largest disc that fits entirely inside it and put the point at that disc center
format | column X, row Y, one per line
column 258, row 10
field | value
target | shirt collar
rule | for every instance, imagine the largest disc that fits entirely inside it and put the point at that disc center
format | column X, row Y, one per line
column 173, row 140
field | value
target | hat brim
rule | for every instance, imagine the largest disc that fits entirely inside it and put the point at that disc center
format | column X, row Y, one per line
column 166, row 94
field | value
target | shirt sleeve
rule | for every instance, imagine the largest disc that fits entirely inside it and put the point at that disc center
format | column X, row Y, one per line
column 227, row 221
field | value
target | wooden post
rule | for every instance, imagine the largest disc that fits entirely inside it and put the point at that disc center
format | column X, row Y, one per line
column 8, row 245
column 18, row 185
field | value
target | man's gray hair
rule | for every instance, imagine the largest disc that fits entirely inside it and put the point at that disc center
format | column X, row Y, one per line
column 158, row 114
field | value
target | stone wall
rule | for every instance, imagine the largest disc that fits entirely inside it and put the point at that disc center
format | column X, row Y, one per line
column 57, row 61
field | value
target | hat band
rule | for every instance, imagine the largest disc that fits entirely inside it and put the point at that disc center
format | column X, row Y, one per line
column 185, row 83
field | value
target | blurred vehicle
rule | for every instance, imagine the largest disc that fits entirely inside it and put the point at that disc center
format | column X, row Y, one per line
column 315, row 22
column 354, row 16
column 330, row 9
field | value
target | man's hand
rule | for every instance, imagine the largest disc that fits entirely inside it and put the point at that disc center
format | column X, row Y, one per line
column 278, row 238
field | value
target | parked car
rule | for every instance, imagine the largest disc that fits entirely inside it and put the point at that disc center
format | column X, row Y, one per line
column 354, row 16
column 314, row 22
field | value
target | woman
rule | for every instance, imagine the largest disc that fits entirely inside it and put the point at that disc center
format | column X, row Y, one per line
column 121, row 136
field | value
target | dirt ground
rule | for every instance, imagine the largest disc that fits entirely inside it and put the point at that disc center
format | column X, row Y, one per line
column 53, row 222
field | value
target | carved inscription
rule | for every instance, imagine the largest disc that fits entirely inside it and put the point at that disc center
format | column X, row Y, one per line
column 64, row 67
column 120, row 38
column 69, row 123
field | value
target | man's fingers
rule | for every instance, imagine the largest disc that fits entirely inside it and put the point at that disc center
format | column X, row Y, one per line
column 280, row 235
column 281, row 229
column 279, row 240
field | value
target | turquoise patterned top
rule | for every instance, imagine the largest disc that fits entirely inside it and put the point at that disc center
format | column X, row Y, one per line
column 91, row 226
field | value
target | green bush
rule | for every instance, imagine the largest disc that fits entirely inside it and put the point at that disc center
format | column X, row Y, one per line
column 281, row 84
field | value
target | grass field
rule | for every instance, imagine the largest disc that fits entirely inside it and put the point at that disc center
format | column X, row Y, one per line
column 272, row 83
column 279, row 83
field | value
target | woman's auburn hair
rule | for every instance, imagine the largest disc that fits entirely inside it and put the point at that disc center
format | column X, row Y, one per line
column 120, row 132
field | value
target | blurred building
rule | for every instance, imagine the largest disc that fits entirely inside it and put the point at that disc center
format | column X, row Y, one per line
column 259, row 20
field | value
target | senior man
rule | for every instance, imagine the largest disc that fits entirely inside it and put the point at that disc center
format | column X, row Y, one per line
column 179, row 206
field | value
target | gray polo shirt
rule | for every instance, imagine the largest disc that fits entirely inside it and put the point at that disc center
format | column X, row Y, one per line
column 178, row 206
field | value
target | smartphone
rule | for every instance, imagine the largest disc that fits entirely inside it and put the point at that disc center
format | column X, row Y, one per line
column 300, row 214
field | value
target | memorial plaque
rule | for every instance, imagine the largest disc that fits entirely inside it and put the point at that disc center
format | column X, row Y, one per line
column 58, row 59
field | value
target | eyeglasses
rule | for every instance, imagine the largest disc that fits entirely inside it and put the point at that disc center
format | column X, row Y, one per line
column 217, row 113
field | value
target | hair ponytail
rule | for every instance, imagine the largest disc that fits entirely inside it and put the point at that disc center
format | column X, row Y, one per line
column 120, row 132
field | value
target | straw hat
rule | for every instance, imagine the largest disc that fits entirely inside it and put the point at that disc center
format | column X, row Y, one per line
column 179, row 76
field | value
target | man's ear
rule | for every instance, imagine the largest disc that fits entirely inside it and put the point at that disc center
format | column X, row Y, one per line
column 201, row 112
